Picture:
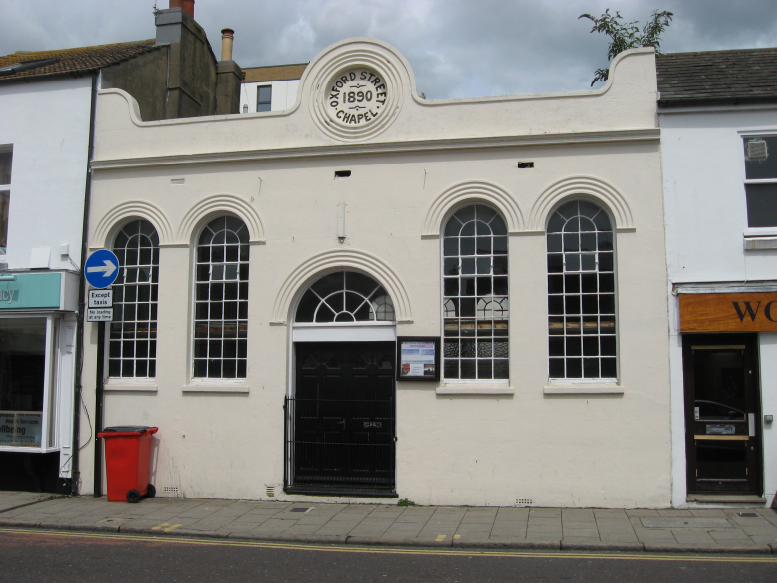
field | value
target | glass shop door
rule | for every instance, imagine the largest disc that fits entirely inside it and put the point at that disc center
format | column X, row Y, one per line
column 722, row 414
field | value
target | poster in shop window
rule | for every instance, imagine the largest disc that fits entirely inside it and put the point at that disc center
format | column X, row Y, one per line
column 20, row 428
column 418, row 359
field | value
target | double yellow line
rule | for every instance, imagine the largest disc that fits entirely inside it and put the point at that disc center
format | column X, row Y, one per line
column 395, row 550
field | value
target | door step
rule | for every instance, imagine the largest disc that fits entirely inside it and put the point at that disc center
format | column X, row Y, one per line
column 725, row 499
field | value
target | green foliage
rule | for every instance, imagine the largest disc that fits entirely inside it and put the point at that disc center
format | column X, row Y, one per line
column 626, row 35
column 404, row 502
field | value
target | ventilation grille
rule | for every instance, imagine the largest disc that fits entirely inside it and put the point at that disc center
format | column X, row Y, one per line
column 270, row 491
column 168, row 489
column 523, row 502
column 756, row 150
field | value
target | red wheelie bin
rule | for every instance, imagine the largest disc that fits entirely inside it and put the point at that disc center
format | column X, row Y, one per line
column 127, row 462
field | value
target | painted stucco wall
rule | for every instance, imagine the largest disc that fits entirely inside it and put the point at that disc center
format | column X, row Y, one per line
column 574, row 445
column 706, row 222
column 48, row 125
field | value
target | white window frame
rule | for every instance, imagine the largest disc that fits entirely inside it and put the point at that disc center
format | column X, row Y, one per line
column 117, row 380
column 6, row 188
column 222, row 381
column 502, row 382
column 754, row 232
column 613, row 230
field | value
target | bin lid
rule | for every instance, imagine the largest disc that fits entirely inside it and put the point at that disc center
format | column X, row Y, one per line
column 128, row 429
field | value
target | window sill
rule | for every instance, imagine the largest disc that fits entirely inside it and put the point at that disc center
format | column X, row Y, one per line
column 475, row 388
column 117, row 386
column 760, row 243
column 216, row 388
column 584, row 388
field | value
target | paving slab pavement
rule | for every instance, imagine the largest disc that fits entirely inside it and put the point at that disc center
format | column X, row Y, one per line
column 713, row 530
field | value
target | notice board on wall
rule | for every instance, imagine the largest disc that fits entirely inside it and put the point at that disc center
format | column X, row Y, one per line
column 418, row 359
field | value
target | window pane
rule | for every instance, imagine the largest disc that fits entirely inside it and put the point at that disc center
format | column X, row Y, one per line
column 584, row 310
column 475, row 250
column 135, row 302
column 761, row 205
column 760, row 157
column 220, row 292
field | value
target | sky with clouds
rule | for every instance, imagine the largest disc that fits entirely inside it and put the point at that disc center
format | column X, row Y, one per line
column 457, row 48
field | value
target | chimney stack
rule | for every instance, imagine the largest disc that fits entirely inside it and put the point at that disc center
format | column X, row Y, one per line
column 227, row 36
column 187, row 5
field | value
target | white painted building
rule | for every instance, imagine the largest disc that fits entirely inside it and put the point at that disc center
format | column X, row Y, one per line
column 44, row 140
column 718, row 118
column 372, row 294
column 270, row 89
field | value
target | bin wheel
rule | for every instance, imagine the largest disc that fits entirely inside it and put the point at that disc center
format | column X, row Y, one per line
column 151, row 491
column 133, row 496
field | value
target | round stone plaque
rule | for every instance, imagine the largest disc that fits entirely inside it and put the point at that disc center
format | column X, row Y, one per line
column 357, row 98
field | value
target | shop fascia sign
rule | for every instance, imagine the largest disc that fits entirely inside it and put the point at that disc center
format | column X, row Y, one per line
column 724, row 312
column 30, row 290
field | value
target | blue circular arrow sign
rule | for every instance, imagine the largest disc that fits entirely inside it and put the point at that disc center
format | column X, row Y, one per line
column 101, row 268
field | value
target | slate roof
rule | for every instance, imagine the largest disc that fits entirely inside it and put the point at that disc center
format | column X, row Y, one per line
column 74, row 61
column 717, row 77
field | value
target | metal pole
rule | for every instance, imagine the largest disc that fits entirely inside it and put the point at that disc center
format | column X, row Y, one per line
column 98, row 414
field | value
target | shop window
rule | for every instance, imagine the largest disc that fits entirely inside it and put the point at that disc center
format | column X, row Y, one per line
column 475, row 296
column 761, row 181
column 133, row 332
column 6, row 158
column 581, row 293
column 345, row 297
column 263, row 98
column 221, row 300
column 22, row 381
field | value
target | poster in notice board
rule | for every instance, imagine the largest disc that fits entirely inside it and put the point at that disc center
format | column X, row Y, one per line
column 418, row 359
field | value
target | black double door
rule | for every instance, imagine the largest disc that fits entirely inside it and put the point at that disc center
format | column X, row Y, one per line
column 722, row 414
column 342, row 417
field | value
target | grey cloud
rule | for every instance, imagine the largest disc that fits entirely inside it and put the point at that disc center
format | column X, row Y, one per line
column 456, row 48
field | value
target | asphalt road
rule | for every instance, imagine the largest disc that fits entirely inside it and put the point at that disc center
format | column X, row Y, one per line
column 41, row 556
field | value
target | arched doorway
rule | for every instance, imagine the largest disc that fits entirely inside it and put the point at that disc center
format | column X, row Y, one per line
column 340, row 417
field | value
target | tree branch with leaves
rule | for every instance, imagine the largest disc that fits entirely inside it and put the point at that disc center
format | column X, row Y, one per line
column 626, row 35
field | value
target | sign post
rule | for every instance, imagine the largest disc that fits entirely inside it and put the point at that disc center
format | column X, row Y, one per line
column 100, row 270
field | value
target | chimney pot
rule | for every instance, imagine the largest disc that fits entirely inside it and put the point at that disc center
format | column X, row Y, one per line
column 227, row 36
column 187, row 5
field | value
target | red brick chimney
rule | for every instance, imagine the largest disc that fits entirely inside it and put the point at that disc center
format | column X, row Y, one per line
column 187, row 5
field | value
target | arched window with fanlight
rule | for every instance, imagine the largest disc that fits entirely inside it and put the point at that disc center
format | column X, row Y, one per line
column 132, row 333
column 581, row 293
column 345, row 297
column 475, row 295
column 221, row 300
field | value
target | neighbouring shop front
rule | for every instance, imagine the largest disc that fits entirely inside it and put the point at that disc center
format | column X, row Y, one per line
column 722, row 334
column 37, row 336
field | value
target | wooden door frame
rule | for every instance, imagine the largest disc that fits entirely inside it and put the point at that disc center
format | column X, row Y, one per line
column 752, row 379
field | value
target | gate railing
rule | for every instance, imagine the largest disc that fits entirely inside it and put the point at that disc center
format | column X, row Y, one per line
column 340, row 447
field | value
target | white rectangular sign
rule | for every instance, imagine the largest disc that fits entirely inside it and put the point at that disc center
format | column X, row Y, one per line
column 100, row 298
column 99, row 315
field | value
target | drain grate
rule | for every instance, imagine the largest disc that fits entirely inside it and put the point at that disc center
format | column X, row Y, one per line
column 300, row 509
column 747, row 514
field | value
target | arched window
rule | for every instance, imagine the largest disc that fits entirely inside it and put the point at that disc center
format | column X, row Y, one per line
column 343, row 297
column 132, row 338
column 581, row 293
column 221, row 300
column 475, row 299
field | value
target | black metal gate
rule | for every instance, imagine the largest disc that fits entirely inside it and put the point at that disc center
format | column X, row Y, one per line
column 340, row 429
